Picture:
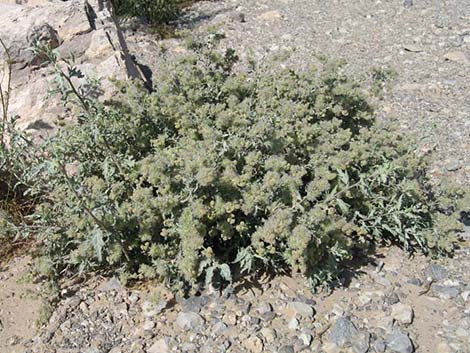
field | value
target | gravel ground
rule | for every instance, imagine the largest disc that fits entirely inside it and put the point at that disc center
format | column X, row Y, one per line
column 389, row 303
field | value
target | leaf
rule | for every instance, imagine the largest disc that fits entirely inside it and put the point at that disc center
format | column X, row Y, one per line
column 343, row 176
column 209, row 275
column 225, row 272
column 97, row 242
column 343, row 205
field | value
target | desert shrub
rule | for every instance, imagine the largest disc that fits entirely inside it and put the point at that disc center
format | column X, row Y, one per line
column 221, row 172
column 154, row 11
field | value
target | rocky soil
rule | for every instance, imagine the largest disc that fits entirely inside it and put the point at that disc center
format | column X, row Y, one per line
column 388, row 303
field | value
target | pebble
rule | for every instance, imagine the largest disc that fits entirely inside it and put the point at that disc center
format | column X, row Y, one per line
column 399, row 342
column 379, row 346
column 293, row 324
column 287, row 349
column 111, row 284
column 269, row 334
column 299, row 309
column 160, row 346
column 445, row 292
column 436, row 272
column 194, row 304
column 456, row 56
column 403, row 313
column 392, row 299
column 148, row 325
column 151, row 309
column 254, row 344
column 343, row 332
column 189, row 321
column 306, row 339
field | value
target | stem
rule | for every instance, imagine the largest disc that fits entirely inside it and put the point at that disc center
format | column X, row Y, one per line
column 5, row 97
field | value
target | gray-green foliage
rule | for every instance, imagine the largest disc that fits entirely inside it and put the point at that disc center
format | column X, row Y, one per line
column 219, row 173
column 155, row 11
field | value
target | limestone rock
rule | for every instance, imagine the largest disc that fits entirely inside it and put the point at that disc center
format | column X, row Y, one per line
column 399, row 342
column 403, row 313
column 161, row 346
column 189, row 321
column 299, row 309
column 343, row 332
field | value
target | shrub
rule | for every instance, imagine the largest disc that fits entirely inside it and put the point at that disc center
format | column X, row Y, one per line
column 219, row 172
column 154, row 11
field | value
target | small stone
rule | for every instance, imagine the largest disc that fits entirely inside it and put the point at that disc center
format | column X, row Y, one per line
column 382, row 281
column 270, row 15
column 453, row 165
column 414, row 281
column 269, row 316
column 253, row 320
column 399, row 342
column 436, row 272
column 111, row 284
column 364, row 299
column 299, row 309
column 407, row 3
column 148, row 325
column 116, row 350
column 194, row 304
column 403, row 313
column 445, row 292
column 269, row 334
column 343, row 332
column 189, row 347
column 443, row 347
column 293, row 324
column 456, row 56
column 99, row 45
column 264, row 308
column 306, row 339
column 465, row 295
column 379, row 346
column 461, row 332
column 134, row 298
column 330, row 347
column 362, row 343
column 392, row 299
column 219, row 328
column 13, row 340
column 230, row 319
column 254, row 344
column 189, row 321
column 286, row 349
column 161, row 346
column 386, row 324
column 150, row 309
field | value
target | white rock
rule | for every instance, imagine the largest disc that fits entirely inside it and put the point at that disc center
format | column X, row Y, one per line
column 148, row 325
column 270, row 15
column 403, row 313
column 299, row 309
column 254, row 344
column 306, row 339
column 293, row 324
column 189, row 321
column 269, row 334
column 161, row 346
column 456, row 56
